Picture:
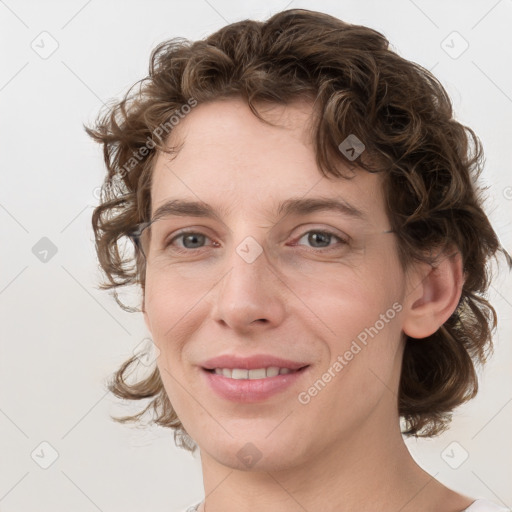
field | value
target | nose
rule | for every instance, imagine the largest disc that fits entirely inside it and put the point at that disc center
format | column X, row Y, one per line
column 251, row 294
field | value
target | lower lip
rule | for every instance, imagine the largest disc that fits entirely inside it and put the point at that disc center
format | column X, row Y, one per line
column 251, row 390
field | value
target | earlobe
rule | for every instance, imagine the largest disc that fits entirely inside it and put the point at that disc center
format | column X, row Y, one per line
column 435, row 296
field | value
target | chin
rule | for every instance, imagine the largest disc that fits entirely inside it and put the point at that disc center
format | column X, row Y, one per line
column 255, row 453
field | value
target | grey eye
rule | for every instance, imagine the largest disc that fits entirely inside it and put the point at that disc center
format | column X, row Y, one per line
column 191, row 240
column 320, row 239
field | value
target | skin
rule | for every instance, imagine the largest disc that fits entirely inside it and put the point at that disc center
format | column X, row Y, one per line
column 342, row 451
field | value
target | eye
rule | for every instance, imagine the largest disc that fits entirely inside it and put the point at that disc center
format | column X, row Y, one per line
column 320, row 239
column 190, row 240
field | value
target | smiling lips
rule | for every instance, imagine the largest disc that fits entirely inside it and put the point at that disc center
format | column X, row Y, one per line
column 253, row 362
column 258, row 373
column 251, row 379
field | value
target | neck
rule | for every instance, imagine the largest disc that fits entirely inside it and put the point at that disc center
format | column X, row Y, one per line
column 371, row 469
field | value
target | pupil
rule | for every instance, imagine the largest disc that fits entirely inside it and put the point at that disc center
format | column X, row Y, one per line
column 313, row 238
column 192, row 237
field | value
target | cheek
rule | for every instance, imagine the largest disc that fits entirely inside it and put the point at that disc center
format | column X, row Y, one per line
column 360, row 326
column 169, row 306
column 357, row 315
column 349, row 299
column 166, row 309
column 171, row 294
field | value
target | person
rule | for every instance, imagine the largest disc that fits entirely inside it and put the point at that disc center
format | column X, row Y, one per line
column 312, row 254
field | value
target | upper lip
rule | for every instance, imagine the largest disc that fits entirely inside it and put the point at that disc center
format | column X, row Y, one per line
column 250, row 362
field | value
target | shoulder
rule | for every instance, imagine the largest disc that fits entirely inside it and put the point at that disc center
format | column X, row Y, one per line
column 483, row 505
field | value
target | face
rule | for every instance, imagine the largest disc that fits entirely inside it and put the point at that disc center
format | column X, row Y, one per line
column 321, row 289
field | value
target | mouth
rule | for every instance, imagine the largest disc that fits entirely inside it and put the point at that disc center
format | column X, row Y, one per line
column 254, row 374
column 251, row 386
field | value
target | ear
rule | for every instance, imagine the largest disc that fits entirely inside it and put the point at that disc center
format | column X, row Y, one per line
column 433, row 295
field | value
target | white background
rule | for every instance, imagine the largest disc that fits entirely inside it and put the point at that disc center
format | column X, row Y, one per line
column 62, row 337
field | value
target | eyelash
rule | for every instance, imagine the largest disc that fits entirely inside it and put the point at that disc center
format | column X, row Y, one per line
column 314, row 249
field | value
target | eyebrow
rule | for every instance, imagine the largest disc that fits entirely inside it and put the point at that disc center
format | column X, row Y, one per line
column 292, row 206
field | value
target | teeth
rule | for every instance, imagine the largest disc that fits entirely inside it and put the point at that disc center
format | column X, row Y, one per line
column 258, row 373
column 239, row 374
column 272, row 371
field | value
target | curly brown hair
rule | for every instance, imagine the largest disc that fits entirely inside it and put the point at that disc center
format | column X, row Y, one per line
column 359, row 86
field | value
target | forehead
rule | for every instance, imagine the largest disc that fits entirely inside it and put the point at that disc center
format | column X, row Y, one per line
column 236, row 163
